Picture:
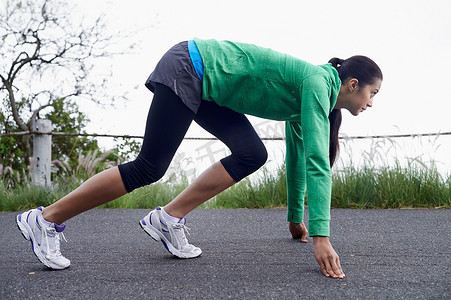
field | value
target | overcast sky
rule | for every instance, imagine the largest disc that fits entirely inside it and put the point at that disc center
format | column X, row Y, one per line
column 409, row 40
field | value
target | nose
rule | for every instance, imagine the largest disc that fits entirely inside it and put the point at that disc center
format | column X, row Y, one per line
column 370, row 104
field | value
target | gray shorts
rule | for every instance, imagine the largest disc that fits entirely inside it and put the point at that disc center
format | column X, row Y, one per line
column 176, row 71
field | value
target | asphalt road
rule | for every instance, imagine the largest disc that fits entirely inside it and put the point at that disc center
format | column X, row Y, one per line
column 247, row 254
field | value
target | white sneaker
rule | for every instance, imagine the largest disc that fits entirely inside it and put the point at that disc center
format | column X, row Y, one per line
column 172, row 235
column 45, row 240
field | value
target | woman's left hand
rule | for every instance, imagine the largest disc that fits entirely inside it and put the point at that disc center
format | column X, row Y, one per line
column 327, row 258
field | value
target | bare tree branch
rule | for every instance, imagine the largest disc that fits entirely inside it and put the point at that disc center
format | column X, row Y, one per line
column 49, row 57
column 14, row 110
column 36, row 112
column 22, row 62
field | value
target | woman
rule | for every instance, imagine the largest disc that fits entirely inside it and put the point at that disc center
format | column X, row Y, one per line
column 215, row 84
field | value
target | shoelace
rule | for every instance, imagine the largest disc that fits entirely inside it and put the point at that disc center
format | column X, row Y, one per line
column 51, row 235
column 178, row 231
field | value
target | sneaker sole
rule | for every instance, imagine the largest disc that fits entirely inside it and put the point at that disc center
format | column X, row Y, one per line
column 159, row 237
column 25, row 230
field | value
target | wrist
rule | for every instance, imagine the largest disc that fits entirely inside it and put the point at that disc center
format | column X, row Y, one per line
column 321, row 239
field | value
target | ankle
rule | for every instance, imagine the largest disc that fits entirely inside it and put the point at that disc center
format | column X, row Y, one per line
column 169, row 217
column 50, row 216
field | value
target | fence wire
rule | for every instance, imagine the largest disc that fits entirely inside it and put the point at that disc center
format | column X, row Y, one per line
column 21, row 133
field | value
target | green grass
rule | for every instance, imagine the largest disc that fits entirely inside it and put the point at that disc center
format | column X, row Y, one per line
column 265, row 191
column 414, row 186
column 27, row 196
column 150, row 196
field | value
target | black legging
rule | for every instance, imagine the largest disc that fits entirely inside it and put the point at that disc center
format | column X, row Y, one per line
column 169, row 119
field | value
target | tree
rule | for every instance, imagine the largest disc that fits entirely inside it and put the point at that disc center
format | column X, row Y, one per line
column 66, row 117
column 48, row 56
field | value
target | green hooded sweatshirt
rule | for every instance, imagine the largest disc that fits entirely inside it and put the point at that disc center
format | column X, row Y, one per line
column 264, row 83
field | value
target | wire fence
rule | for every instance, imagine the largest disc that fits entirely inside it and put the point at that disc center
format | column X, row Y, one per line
column 358, row 149
column 21, row 133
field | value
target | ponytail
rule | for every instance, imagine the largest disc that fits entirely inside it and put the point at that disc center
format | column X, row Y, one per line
column 335, row 119
column 366, row 72
column 336, row 62
column 334, row 145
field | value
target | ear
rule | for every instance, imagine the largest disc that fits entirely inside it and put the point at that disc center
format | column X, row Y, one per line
column 353, row 85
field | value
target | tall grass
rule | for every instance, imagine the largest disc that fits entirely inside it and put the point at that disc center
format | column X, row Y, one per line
column 267, row 190
column 376, row 183
column 151, row 196
column 414, row 186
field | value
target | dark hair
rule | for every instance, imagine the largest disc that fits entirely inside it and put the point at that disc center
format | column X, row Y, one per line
column 366, row 72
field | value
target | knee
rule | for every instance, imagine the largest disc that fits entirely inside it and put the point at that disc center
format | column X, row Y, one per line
column 140, row 172
column 150, row 171
column 250, row 158
column 258, row 157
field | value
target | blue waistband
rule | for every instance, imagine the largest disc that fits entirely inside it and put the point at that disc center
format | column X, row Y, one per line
column 196, row 59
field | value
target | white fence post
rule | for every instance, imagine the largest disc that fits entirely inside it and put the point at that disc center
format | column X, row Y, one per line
column 42, row 152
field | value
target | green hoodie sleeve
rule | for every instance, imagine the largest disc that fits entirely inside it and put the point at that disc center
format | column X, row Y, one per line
column 295, row 168
column 315, row 109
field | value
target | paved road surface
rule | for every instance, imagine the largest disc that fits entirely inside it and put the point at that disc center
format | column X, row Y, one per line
column 248, row 254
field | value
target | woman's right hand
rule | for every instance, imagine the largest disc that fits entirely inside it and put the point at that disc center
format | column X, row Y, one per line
column 298, row 231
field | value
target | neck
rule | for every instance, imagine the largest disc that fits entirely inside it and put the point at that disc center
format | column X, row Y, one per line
column 340, row 100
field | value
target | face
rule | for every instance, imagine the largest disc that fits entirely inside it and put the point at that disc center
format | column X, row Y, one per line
column 362, row 98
